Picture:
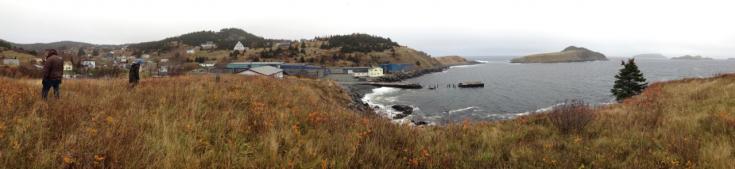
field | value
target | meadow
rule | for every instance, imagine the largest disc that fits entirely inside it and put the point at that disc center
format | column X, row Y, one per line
column 252, row 122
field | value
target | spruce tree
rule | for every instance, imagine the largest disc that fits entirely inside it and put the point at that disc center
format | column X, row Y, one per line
column 629, row 82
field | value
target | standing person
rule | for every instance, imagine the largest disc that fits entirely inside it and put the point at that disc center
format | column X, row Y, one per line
column 134, row 74
column 53, row 71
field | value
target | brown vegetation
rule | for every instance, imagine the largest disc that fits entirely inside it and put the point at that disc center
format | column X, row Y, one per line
column 243, row 122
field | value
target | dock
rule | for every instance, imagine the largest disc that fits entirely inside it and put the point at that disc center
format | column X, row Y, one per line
column 396, row 85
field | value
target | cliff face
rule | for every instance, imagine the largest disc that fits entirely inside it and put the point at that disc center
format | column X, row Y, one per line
column 569, row 54
column 453, row 60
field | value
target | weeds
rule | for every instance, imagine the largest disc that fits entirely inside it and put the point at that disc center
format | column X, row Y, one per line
column 571, row 117
column 241, row 122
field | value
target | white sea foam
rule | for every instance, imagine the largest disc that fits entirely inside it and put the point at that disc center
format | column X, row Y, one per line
column 462, row 109
column 384, row 110
column 482, row 61
column 545, row 109
column 464, row 66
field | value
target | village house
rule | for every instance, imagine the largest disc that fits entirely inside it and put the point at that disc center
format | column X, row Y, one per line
column 239, row 47
column 68, row 69
column 209, row 45
column 191, row 51
column 163, row 71
column 269, row 71
column 145, row 56
column 11, row 62
column 89, row 64
column 375, row 72
column 282, row 45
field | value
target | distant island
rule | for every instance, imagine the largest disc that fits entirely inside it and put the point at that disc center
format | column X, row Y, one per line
column 454, row 60
column 650, row 56
column 690, row 57
column 569, row 54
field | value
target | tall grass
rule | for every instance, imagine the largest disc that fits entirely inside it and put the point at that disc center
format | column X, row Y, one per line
column 245, row 122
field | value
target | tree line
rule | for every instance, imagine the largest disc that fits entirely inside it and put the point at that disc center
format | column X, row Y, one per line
column 358, row 43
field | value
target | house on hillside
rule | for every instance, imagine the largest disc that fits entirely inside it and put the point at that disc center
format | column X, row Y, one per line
column 68, row 69
column 191, row 51
column 209, row 45
column 395, row 67
column 235, row 67
column 11, row 62
column 375, row 72
column 269, row 71
column 239, row 47
column 68, row 66
column 282, row 45
column 89, row 64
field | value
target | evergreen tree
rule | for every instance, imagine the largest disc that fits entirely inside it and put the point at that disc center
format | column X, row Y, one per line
column 95, row 52
column 81, row 52
column 629, row 82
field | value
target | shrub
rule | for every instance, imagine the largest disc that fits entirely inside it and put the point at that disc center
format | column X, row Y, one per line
column 572, row 116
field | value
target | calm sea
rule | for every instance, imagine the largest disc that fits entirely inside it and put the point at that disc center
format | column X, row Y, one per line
column 516, row 89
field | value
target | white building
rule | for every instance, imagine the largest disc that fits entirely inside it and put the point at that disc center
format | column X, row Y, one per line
column 360, row 74
column 375, row 72
column 191, row 51
column 209, row 45
column 239, row 47
column 89, row 63
column 269, row 71
column 13, row 62
column 68, row 66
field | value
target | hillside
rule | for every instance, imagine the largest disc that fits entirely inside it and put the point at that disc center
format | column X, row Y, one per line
column 650, row 56
column 61, row 45
column 453, row 60
column 337, row 50
column 241, row 122
column 224, row 39
column 690, row 57
column 569, row 54
column 5, row 44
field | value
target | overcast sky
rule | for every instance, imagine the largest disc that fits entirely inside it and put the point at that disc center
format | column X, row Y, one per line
column 439, row 27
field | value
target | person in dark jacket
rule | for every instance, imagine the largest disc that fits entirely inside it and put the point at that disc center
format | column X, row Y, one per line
column 53, row 71
column 134, row 74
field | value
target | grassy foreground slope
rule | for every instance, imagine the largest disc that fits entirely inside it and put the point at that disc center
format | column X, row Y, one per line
column 240, row 122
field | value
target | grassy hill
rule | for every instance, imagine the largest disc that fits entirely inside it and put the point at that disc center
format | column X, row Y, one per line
column 243, row 122
column 453, row 60
column 569, row 54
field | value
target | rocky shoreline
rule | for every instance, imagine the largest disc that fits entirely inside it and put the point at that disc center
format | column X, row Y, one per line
column 402, row 76
column 358, row 91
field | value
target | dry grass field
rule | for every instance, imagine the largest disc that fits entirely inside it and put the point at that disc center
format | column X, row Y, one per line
column 246, row 122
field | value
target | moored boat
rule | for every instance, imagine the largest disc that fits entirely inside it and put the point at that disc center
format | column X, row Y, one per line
column 471, row 84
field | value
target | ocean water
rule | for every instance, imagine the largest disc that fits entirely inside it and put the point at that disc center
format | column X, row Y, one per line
column 516, row 89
